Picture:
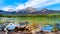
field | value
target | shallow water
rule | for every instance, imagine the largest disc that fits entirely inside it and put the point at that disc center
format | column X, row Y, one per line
column 39, row 20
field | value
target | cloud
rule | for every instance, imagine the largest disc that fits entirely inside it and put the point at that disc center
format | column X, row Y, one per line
column 37, row 3
column 20, row 7
column 30, row 3
column 34, row 3
column 49, row 3
column 41, row 3
column 7, row 8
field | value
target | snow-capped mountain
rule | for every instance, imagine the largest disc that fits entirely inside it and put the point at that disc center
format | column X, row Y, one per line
column 29, row 10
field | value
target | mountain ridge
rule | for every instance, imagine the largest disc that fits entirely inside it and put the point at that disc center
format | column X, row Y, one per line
column 29, row 10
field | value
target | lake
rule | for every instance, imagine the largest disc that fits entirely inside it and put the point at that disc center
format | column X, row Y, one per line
column 39, row 20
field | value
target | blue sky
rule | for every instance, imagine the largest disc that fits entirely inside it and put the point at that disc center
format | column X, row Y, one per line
column 21, row 4
column 11, row 3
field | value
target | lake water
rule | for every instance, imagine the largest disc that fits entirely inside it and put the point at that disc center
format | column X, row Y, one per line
column 39, row 20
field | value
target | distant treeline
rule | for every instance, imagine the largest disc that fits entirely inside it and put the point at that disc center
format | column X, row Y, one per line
column 31, row 15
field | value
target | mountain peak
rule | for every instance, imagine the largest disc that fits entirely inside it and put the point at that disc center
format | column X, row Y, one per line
column 30, row 9
column 44, row 10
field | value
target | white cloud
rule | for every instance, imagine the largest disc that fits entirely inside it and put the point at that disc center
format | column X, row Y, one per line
column 31, row 3
column 37, row 3
column 41, row 3
column 20, row 7
column 7, row 8
column 34, row 3
column 49, row 3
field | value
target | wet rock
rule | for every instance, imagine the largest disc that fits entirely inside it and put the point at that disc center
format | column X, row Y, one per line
column 58, row 32
column 2, row 32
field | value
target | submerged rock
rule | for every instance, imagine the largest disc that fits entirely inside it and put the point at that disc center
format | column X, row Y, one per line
column 47, row 28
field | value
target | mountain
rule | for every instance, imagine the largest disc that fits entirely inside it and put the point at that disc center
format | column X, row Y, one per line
column 7, row 12
column 29, row 10
column 46, row 11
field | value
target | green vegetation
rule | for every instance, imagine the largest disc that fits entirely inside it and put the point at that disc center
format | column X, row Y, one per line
column 55, row 15
column 40, row 19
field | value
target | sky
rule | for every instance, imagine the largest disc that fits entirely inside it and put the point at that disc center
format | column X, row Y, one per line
column 22, row 4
